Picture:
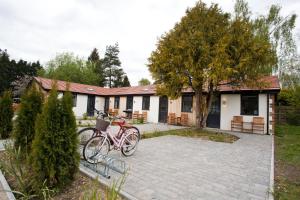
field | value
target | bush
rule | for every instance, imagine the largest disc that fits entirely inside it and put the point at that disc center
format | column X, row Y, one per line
column 54, row 156
column 6, row 115
column 30, row 107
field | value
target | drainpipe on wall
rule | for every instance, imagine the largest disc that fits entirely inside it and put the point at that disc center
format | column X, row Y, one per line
column 268, row 106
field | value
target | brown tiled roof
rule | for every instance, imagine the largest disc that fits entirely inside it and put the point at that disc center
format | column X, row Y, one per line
column 266, row 83
column 90, row 89
column 73, row 87
column 271, row 83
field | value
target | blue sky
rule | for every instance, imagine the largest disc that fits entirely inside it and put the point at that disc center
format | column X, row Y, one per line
column 39, row 29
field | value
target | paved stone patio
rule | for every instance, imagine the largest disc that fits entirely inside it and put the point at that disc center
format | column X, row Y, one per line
column 173, row 167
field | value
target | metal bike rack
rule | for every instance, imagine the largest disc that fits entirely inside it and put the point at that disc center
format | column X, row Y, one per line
column 104, row 163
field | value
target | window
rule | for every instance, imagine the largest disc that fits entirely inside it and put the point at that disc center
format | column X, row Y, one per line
column 146, row 103
column 74, row 99
column 249, row 104
column 117, row 103
column 129, row 102
column 187, row 103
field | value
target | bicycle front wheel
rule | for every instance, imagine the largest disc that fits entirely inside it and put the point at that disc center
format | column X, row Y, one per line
column 130, row 143
column 95, row 149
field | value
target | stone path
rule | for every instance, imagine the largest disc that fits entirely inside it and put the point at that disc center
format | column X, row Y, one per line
column 173, row 167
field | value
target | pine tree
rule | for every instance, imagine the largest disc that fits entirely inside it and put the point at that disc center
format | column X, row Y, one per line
column 6, row 115
column 31, row 106
column 54, row 157
column 95, row 60
column 112, row 66
column 126, row 82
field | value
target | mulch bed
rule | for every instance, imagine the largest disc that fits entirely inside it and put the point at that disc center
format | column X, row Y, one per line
column 80, row 186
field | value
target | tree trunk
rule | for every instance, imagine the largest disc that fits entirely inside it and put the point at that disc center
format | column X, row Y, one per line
column 197, row 109
column 207, row 106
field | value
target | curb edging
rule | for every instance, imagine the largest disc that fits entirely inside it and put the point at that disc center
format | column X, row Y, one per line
column 271, row 187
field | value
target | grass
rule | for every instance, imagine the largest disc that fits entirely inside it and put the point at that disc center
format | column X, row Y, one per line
column 195, row 133
column 287, row 162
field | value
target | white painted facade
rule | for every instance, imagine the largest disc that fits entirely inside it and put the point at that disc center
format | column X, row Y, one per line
column 99, row 103
column 231, row 106
column 153, row 110
column 81, row 105
column 137, row 103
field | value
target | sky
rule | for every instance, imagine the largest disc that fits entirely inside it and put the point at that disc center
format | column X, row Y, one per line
column 40, row 29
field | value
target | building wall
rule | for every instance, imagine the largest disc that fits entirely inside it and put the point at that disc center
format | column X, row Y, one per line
column 153, row 110
column 231, row 106
column 111, row 102
column 99, row 103
column 81, row 105
column 122, row 106
column 137, row 103
column 174, row 106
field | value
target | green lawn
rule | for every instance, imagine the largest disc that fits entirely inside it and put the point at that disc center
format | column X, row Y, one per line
column 196, row 133
column 287, row 162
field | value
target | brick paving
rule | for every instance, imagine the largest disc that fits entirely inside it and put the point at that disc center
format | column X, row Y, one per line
column 173, row 167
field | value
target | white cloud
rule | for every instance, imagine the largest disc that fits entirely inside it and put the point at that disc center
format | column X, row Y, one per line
column 37, row 30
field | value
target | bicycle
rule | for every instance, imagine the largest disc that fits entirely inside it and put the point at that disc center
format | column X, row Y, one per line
column 126, row 140
column 86, row 133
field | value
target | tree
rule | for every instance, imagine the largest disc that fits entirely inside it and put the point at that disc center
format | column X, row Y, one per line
column 205, row 48
column 126, row 82
column 68, row 67
column 12, row 70
column 112, row 65
column 30, row 107
column 54, row 156
column 6, row 115
column 279, row 30
column 144, row 81
column 95, row 60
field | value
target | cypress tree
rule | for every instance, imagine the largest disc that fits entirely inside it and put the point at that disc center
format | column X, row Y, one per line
column 6, row 115
column 54, row 156
column 31, row 106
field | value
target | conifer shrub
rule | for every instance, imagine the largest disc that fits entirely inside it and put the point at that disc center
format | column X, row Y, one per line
column 54, row 156
column 6, row 115
column 30, row 107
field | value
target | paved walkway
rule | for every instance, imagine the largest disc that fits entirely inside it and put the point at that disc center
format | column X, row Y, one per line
column 173, row 167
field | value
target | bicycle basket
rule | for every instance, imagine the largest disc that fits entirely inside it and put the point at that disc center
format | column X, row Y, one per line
column 101, row 125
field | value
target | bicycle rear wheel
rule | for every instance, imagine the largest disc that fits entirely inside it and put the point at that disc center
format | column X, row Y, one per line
column 84, row 135
column 130, row 143
column 95, row 148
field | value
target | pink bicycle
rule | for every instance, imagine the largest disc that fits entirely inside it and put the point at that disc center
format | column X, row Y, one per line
column 126, row 140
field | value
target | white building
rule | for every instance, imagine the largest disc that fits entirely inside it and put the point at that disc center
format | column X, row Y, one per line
column 229, row 102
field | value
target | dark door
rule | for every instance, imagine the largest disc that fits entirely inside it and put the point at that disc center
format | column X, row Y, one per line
column 129, row 102
column 90, row 105
column 106, row 104
column 213, row 118
column 163, row 109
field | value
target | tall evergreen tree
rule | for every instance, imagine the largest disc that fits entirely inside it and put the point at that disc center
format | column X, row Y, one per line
column 54, row 156
column 6, row 115
column 278, row 30
column 31, row 106
column 95, row 60
column 206, row 47
column 12, row 70
column 126, row 82
column 112, row 65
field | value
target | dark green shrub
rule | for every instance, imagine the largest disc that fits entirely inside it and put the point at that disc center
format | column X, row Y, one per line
column 6, row 115
column 54, row 156
column 30, row 107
